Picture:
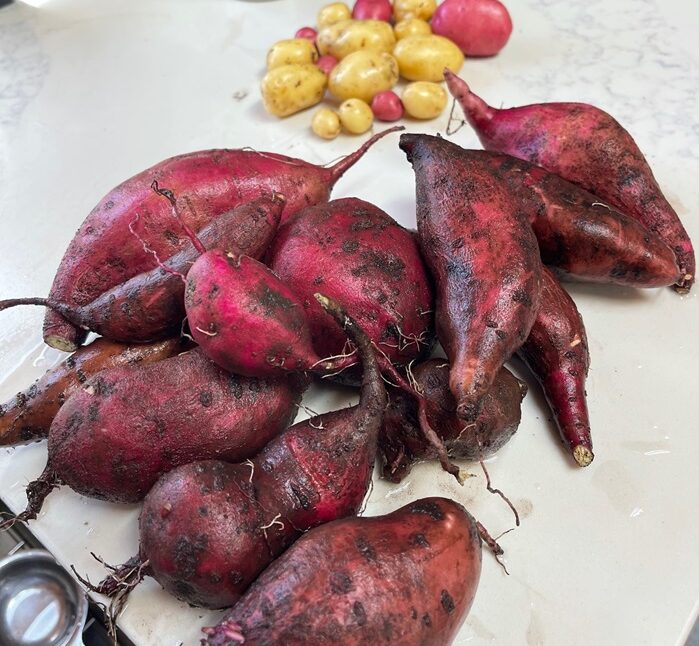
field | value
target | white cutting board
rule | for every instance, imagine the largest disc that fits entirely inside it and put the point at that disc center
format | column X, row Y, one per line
column 92, row 92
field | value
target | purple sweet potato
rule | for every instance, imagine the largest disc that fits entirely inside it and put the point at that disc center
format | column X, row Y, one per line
column 485, row 262
column 557, row 353
column 208, row 529
column 28, row 415
column 357, row 255
column 406, row 578
column 402, row 443
column 127, row 426
column 587, row 146
column 583, row 238
column 104, row 253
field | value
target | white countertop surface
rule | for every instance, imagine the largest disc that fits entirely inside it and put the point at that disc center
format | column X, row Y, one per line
column 92, row 92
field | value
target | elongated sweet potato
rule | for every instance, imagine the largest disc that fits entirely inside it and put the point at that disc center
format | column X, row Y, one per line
column 407, row 578
column 582, row 237
column 127, row 426
column 485, row 262
column 357, row 255
column 104, row 253
column 208, row 529
column 29, row 414
column 402, row 443
column 557, row 353
column 587, row 146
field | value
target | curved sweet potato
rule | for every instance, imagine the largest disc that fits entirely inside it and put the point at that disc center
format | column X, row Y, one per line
column 557, row 353
column 357, row 255
column 127, row 426
column 402, row 443
column 406, row 578
column 484, row 259
column 29, row 414
column 587, row 146
column 104, row 253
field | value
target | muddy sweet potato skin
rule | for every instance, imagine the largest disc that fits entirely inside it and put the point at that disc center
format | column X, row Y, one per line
column 28, row 415
column 104, row 253
column 244, row 318
column 582, row 237
column 150, row 306
column 587, row 146
column 402, row 444
column 406, row 578
column 484, row 259
column 557, row 353
column 356, row 254
column 127, row 426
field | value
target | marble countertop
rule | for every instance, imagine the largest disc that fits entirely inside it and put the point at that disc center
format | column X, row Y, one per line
column 92, row 92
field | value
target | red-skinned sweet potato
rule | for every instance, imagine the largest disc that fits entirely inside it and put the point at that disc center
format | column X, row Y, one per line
column 402, row 443
column 406, row 578
column 557, row 353
column 485, row 262
column 208, row 529
column 357, row 255
column 583, row 238
column 104, row 253
column 127, row 426
column 587, row 146
column 28, row 415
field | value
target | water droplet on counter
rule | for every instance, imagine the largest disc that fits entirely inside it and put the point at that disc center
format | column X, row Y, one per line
column 636, row 512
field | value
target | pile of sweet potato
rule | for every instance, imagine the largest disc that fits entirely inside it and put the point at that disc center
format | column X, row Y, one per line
column 222, row 282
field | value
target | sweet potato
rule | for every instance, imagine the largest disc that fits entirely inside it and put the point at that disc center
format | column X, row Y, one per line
column 402, row 443
column 406, row 578
column 127, row 426
column 104, row 253
column 557, row 353
column 357, row 255
column 28, row 415
column 208, row 529
column 582, row 237
column 484, row 259
column 587, row 146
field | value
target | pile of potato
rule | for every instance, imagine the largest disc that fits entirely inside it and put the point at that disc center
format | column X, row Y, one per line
column 359, row 62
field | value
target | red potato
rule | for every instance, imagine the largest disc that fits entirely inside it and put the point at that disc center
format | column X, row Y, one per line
column 583, row 238
column 28, row 415
column 308, row 33
column 485, row 262
column 478, row 27
column 557, row 353
column 402, row 443
column 406, row 578
column 208, row 529
column 127, row 426
column 104, row 253
column 372, row 10
column 357, row 255
column 587, row 146
column 326, row 63
column 387, row 106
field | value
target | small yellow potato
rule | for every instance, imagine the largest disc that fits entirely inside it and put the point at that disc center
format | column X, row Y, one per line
column 423, row 9
column 293, row 50
column 328, row 35
column 362, row 75
column 332, row 13
column 424, row 100
column 371, row 35
column 356, row 116
column 423, row 58
column 412, row 27
column 290, row 88
column 326, row 123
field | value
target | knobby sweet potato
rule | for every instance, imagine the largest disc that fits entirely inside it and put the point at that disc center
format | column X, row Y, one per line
column 28, row 415
column 104, row 253
column 587, row 146
column 406, row 578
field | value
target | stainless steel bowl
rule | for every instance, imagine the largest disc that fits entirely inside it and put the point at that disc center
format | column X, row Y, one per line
column 40, row 603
